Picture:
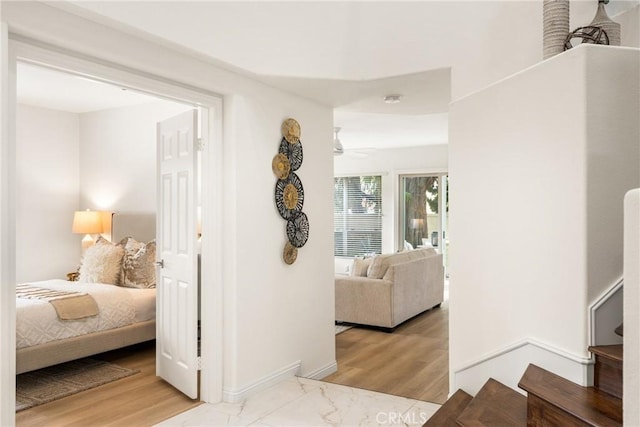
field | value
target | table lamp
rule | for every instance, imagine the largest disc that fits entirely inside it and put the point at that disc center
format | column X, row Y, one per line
column 87, row 222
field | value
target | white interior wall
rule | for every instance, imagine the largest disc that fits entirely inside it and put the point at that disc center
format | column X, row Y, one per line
column 631, row 380
column 269, row 295
column 539, row 148
column 118, row 159
column 497, row 53
column 47, row 189
column 613, row 139
column 629, row 27
column 298, row 300
column 391, row 163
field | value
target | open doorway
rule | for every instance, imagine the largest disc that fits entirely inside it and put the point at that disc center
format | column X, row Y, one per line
column 410, row 358
column 395, row 161
column 90, row 158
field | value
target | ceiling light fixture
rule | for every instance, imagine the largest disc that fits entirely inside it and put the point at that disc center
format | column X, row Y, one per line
column 338, row 149
column 392, row 99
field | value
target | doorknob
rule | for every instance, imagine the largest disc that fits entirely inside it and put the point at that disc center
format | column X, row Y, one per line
column 160, row 263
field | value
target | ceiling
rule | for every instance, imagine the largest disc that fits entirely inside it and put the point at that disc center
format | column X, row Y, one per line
column 46, row 88
column 350, row 54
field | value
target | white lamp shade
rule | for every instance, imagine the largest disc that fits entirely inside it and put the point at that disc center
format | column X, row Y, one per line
column 87, row 222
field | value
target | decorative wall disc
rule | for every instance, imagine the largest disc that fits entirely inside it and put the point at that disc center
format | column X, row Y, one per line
column 290, row 253
column 281, row 166
column 289, row 195
column 298, row 229
column 293, row 153
column 291, row 130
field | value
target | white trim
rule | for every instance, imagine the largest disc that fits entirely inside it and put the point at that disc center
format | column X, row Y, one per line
column 263, row 383
column 7, row 231
column 599, row 302
column 322, row 372
column 508, row 364
column 212, row 344
column 41, row 53
column 522, row 343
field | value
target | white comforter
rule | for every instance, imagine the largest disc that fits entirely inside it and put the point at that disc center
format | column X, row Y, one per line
column 37, row 321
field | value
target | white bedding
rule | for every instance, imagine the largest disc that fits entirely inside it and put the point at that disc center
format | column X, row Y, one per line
column 144, row 301
column 37, row 322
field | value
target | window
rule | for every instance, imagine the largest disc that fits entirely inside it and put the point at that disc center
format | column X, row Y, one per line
column 357, row 215
column 424, row 212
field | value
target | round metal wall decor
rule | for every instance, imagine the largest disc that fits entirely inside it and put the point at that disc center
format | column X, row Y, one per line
column 293, row 153
column 290, row 253
column 298, row 229
column 291, row 130
column 281, row 166
column 289, row 195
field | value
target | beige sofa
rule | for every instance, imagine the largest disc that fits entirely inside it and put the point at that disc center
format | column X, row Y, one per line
column 386, row 290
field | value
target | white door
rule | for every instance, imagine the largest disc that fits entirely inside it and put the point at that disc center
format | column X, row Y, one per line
column 177, row 286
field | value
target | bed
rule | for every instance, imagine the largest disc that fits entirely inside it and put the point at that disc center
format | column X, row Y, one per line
column 123, row 307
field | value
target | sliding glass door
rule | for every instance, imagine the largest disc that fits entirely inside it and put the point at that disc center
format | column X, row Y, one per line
column 424, row 211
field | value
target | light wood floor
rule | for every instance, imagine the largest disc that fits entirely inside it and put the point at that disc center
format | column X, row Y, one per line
column 139, row 400
column 411, row 362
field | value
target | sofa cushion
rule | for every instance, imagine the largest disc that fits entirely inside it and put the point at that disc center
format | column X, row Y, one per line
column 381, row 263
column 360, row 267
column 423, row 253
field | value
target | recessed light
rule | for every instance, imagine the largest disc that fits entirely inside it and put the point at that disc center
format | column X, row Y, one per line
column 392, row 99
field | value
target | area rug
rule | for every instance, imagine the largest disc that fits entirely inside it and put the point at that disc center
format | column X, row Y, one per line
column 341, row 328
column 55, row 382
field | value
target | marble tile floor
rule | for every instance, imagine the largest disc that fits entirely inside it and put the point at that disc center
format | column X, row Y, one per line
column 303, row 402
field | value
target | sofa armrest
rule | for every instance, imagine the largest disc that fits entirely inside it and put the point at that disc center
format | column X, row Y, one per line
column 418, row 285
column 363, row 300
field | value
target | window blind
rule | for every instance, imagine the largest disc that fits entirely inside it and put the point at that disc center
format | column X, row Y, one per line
column 357, row 215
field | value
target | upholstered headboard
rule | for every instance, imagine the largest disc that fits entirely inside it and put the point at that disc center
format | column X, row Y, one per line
column 141, row 226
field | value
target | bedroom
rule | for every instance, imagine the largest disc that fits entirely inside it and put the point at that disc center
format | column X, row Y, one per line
column 70, row 157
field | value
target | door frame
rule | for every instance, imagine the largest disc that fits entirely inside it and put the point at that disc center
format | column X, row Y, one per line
column 212, row 171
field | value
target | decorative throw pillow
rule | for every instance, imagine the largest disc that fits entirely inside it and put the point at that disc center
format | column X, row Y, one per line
column 102, row 263
column 360, row 266
column 381, row 263
column 138, row 264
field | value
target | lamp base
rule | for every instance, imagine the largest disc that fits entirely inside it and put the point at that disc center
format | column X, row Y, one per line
column 87, row 242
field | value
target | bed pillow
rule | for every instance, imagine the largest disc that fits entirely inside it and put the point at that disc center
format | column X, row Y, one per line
column 102, row 263
column 138, row 264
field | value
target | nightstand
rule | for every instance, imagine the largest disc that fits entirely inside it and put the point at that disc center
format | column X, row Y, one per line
column 73, row 277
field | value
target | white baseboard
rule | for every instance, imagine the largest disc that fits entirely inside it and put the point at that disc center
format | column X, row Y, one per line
column 322, row 372
column 265, row 382
column 605, row 315
column 508, row 366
